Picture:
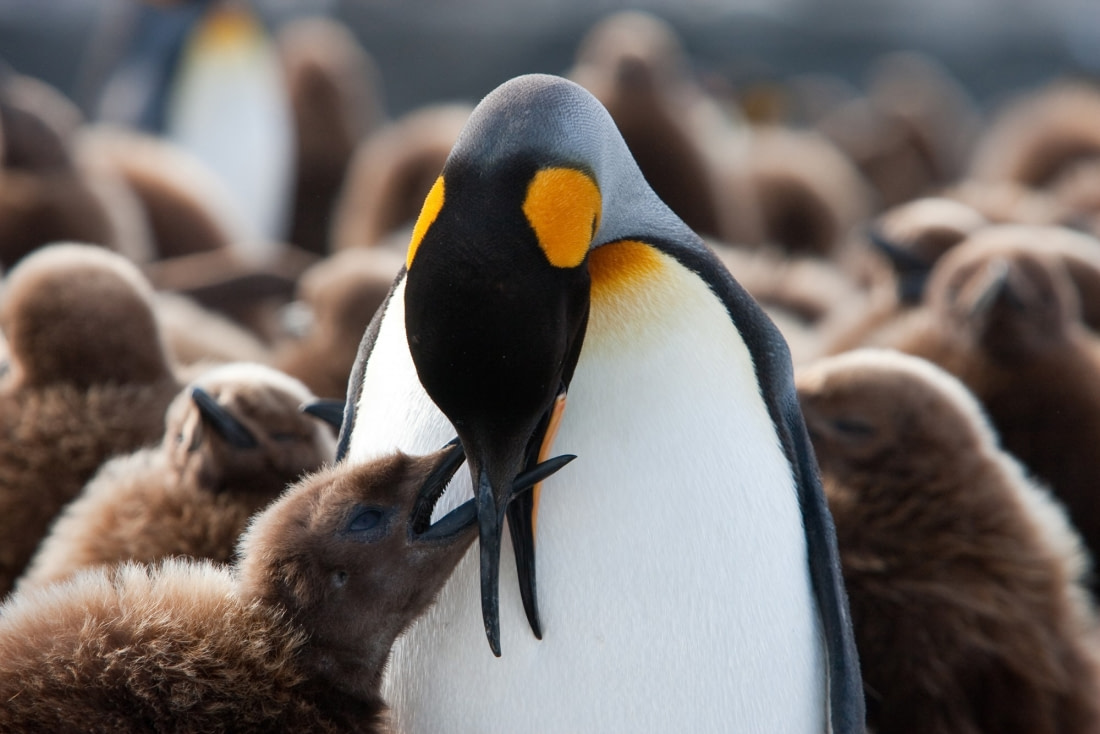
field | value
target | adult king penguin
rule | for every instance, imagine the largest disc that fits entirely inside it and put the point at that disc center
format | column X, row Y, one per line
column 688, row 576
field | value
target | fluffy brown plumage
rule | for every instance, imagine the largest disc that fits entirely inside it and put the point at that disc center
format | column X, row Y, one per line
column 333, row 86
column 1040, row 135
column 913, row 131
column 964, row 578
column 293, row 639
column 810, row 195
column 337, row 298
column 89, row 379
column 193, row 494
column 895, row 259
column 183, row 201
column 1006, row 322
column 47, row 192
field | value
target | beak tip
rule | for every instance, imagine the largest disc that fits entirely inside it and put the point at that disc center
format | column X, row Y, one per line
column 494, row 641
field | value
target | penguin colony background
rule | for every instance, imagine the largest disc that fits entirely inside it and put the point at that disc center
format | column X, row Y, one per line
column 761, row 407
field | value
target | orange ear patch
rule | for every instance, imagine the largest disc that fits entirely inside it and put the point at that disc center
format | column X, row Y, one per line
column 563, row 207
column 432, row 204
column 618, row 266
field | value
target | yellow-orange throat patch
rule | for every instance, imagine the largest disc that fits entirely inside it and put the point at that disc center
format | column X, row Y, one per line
column 432, row 205
column 563, row 207
column 228, row 27
column 622, row 265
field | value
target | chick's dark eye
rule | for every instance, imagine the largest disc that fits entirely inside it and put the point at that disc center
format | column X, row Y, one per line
column 369, row 523
column 367, row 519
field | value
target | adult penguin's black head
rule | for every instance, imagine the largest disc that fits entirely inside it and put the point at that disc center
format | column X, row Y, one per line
column 497, row 287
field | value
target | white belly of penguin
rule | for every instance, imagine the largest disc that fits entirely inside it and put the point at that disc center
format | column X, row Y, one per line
column 672, row 572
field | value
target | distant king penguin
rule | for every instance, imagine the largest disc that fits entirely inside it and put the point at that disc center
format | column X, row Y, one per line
column 688, row 577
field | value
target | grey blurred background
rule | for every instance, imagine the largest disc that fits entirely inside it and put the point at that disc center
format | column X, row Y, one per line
column 430, row 50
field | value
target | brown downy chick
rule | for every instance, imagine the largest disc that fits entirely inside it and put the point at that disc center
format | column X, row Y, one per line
column 89, row 378
column 333, row 86
column 233, row 440
column 810, row 196
column 392, row 172
column 337, row 298
column 1038, row 137
column 896, row 258
column 184, row 202
column 1008, row 202
column 1076, row 252
column 1007, row 325
column 199, row 338
column 294, row 638
column 913, row 131
column 964, row 577
column 47, row 193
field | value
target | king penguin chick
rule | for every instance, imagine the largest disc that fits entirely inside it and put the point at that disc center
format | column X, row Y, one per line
column 333, row 89
column 294, row 638
column 233, row 440
column 337, row 298
column 186, row 205
column 810, row 195
column 895, row 260
column 89, row 379
column 542, row 267
column 1039, row 136
column 47, row 192
column 965, row 578
column 1078, row 253
column 1007, row 325
column 199, row 338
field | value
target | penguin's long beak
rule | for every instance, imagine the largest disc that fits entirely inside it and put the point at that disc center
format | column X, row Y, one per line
column 522, row 516
column 501, row 491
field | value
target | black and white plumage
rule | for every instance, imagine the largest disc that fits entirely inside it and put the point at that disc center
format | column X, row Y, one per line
column 688, row 552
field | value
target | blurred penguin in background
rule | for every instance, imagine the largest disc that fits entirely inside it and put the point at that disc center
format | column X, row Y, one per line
column 966, row 580
column 1006, row 321
column 206, row 75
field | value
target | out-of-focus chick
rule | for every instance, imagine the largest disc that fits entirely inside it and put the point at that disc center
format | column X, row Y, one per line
column 233, row 440
column 965, row 578
column 89, row 378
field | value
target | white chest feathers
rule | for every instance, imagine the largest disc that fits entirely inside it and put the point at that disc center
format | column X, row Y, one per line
column 672, row 573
